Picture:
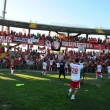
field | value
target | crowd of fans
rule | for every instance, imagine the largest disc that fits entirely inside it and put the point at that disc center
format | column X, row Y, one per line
column 33, row 57
column 90, row 40
column 43, row 36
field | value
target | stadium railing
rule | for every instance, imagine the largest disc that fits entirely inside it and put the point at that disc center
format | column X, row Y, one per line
column 38, row 67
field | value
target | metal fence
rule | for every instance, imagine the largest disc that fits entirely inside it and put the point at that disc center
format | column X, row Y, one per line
column 38, row 67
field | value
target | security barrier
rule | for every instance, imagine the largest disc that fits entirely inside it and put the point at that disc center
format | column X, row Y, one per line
column 38, row 67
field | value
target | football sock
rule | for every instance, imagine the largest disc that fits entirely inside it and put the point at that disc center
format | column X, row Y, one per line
column 101, row 76
column 12, row 71
column 70, row 90
column 44, row 73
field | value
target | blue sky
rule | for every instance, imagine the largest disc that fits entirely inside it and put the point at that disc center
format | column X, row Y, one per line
column 84, row 13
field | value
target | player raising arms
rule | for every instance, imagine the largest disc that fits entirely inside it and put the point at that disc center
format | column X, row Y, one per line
column 75, row 78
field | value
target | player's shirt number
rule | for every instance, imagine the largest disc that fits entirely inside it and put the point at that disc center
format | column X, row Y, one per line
column 74, row 70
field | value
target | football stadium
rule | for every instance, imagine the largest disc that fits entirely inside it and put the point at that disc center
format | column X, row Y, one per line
column 53, row 67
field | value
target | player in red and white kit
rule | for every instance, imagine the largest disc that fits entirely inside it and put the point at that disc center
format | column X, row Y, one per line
column 12, row 66
column 66, row 67
column 108, row 67
column 58, row 66
column 99, row 71
column 51, row 64
column 44, row 67
column 75, row 78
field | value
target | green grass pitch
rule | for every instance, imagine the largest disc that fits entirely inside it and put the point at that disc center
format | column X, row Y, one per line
column 48, row 93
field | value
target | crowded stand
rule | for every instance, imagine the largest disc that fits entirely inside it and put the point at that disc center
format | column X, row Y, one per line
column 31, row 59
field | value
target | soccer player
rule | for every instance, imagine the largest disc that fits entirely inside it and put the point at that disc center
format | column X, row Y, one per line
column 44, row 67
column 108, row 67
column 75, row 78
column 12, row 66
column 58, row 66
column 51, row 64
column 66, row 67
column 99, row 71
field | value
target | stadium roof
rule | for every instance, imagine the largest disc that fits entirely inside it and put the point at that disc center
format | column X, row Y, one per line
column 54, row 28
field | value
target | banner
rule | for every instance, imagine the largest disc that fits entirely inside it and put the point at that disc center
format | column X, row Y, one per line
column 30, row 41
column 19, row 39
column 55, row 46
column 6, row 39
column 84, row 45
column 27, row 40
column 81, row 48
column 10, row 39
column 48, row 44
column 24, row 39
column 96, row 46
column 76, row 45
